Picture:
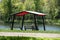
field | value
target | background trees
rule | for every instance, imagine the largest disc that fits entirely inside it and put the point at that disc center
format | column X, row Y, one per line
column 49, row 7
column 58, row 7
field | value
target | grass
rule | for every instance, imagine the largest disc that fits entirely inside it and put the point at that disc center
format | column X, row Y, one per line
column 30, row 31
column 26, row 38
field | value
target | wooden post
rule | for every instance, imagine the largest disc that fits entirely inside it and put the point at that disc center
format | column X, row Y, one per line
column 35, row 22
column 8, row 19
column 22, row 22
column 12, row 22
column 43, row 23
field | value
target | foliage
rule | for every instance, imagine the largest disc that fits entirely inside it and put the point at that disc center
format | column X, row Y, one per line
column 49, row 7
column 26, row 38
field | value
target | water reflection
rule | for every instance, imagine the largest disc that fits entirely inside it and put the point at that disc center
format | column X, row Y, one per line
column 48, row 27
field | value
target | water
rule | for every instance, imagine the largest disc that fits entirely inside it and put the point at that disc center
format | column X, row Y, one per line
column 48, row 27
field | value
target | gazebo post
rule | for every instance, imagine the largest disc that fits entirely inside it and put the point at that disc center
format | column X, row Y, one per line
column 12, row 22
column 35, row 22
column 22, row 22
column 43, row 23
column 8, row 19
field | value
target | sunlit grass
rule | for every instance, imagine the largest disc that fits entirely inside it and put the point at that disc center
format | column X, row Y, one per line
column 26, row 38
column 29, row 31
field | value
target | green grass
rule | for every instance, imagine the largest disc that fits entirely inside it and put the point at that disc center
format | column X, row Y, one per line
column 26, row 38
column 30, row 31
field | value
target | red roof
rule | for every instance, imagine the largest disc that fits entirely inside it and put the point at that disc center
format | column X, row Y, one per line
column 29, row 12
column 22, row 13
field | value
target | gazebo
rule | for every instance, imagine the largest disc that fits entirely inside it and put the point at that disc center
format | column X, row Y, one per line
column 23, row 13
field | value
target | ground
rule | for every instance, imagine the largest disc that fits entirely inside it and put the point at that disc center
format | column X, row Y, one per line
column 52, row 35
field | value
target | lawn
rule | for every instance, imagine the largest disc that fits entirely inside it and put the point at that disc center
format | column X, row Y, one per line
column 29, row 31
column 26, row 38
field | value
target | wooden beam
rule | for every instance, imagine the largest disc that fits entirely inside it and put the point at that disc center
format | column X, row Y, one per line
column 22, row 22
column 43, row 22
column 13, row 17
column 35, row 22
column 8, row 19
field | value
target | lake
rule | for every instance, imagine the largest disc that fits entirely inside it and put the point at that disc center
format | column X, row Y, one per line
column 48, row 27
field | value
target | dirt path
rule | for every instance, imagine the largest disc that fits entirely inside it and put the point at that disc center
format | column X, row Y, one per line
column 29, row 34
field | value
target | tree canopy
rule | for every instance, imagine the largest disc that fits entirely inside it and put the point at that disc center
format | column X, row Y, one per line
column 49, row 7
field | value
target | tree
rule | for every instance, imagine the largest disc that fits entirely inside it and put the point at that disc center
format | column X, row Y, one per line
column 58, row 7
column 7, row 7
column 37, row 6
